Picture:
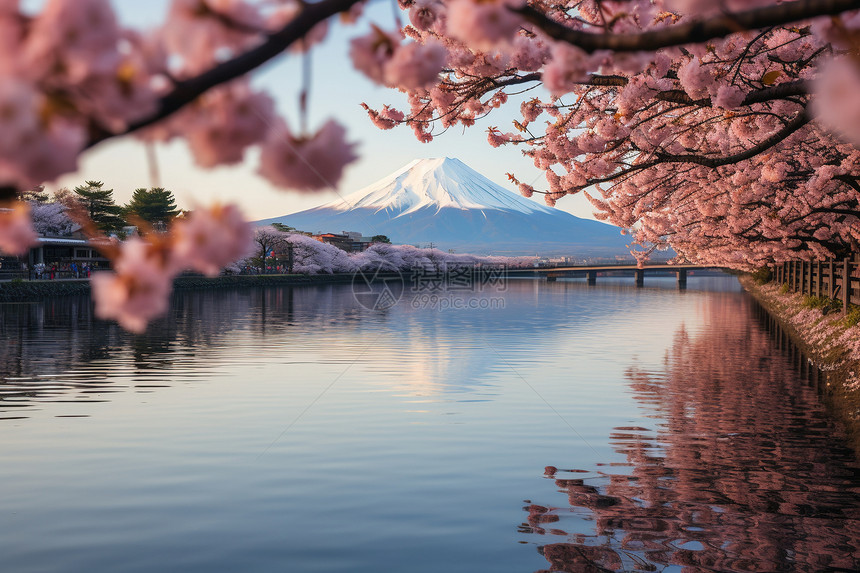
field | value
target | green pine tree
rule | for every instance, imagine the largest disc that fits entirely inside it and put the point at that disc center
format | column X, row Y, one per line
column 156, row 206
column 36, row 195
column 100, row 206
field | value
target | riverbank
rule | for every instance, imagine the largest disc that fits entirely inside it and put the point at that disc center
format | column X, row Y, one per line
column 831, row 340
column 31, row 291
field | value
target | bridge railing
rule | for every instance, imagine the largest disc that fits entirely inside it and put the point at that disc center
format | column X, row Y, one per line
column 838, row 279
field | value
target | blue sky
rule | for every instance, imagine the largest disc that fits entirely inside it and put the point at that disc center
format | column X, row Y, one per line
column 337, row 91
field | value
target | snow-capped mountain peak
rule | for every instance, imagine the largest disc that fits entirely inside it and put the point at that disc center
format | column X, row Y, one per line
column 439, row 183
column 446, row 203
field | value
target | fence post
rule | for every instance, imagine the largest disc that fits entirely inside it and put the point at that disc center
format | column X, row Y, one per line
column 830, row 270
column 803, row 277
column 818, row 278
column 809, row 283
column 846, row 284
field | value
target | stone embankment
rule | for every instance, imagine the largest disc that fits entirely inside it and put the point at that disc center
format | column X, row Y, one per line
column 30, row 291
column 830, row 338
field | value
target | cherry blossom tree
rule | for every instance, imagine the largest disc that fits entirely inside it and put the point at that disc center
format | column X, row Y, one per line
column 724, row 129
column 51, row 219
column 311, row 256
column 267, row 240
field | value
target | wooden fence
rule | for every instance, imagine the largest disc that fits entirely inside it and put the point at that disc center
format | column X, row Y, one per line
column 832, row 278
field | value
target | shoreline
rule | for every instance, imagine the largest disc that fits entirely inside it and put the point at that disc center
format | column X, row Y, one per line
column 827, row 341
column 34, row 291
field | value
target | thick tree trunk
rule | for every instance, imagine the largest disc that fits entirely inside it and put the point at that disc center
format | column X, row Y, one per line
column 8, row 194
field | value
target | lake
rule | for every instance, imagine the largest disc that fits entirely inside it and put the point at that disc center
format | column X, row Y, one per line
column 536, row 426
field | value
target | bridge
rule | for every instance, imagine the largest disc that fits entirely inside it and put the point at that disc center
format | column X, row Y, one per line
column 590, row 271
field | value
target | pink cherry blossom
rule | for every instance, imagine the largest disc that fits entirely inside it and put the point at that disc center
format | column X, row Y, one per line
column 415, row 65
column 139, row 289
column 425, row 13
column 35, row 145
column 526, row 190
column 837, row 89
column 567, row 69
column 483, row 24
column 62, row 38
column 199, row 30
column 16, row 229
column 371, row 53
column 696, row 79
column 386, row 60
column 729, row 97
column 225, row 122
column 51, row 219
column 309, row 163
column 210, row 238
column 386, row 118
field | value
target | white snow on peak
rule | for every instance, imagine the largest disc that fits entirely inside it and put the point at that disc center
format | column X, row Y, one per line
column 435, row 183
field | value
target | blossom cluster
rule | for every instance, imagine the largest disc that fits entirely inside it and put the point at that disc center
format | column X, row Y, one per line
column 311, row 256
column 71, row 75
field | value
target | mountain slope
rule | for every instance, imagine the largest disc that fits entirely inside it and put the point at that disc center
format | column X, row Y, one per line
column 446, row 202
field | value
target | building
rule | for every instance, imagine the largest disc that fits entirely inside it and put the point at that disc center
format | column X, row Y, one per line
column 54, row 253
column 62, row 251
column 349, row 241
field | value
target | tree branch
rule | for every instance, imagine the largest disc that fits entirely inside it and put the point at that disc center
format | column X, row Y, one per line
column 782, row 91
column 792, row 126
column 186, row 91
column 7, row 193
column 687, row 33
column 795, row 124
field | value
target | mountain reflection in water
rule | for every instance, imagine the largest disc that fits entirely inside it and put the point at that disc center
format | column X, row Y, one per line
column 291, row 428
column 740, row 471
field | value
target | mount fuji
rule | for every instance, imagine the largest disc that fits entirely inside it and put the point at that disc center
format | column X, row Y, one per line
column 445, row 202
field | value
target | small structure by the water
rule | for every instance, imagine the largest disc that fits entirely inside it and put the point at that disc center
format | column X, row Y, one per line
column 66, row 256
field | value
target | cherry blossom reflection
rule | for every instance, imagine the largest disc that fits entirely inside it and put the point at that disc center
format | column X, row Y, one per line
column 741, row 469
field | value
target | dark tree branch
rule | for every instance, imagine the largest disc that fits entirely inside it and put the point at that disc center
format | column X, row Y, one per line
column 713, row 162
column 792, row 126
column 596, row 80
column 782, row 91
column 850, row 181
column 7, row 193
column 516, row 80
column 687, row 33
column 186, row 91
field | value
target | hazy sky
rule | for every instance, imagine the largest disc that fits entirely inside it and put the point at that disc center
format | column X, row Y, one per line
column 337, row 90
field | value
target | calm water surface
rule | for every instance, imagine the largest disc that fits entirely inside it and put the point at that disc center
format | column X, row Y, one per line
column 575, row 429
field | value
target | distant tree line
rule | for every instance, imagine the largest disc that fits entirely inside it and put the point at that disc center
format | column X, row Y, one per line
column 148, row 209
